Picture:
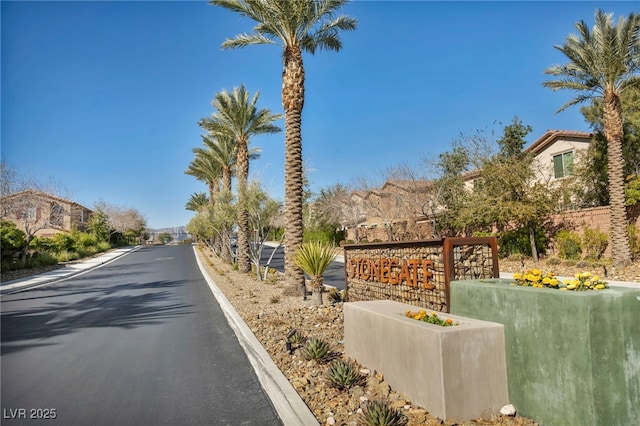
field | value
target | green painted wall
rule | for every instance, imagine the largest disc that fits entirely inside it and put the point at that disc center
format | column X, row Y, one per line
column 573, row 358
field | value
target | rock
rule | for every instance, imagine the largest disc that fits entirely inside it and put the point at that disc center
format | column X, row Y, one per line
column 331, row 421
column 508, row 410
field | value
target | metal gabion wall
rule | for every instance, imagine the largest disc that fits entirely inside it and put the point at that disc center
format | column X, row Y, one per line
column 416, row 272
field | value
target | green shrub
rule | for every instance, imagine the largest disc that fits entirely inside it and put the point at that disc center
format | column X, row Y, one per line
column 319, row 235
column 42, row 259
column 66, row 255
column 103, row 246
column 63, row 242
column 350, row 242
column 569, row 263
column 594, row 243
column 568, row 244
column 43, row 244
column 517, row 242
column 84, row 240
column 12, row 238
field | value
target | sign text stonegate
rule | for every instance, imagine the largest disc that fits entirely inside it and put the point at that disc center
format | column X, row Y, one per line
column 410, row 272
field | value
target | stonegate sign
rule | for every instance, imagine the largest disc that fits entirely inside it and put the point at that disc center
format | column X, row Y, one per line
column 409, row 272
column 417, row 272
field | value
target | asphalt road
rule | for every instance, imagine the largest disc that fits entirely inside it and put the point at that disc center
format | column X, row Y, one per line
column 140, row 341
column 333, row 276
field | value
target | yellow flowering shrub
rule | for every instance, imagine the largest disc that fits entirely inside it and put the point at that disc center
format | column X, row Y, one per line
column 581, row 281
column 536, row 278
column 585, row 281
column 432, row 318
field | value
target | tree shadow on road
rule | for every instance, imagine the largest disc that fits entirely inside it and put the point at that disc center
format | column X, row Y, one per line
column 141, row 304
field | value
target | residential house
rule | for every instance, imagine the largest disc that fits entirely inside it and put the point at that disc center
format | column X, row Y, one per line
column 41, row 214
column 405, row 208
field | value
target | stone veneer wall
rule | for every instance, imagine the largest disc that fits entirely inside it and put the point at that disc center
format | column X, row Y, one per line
column 452, row 258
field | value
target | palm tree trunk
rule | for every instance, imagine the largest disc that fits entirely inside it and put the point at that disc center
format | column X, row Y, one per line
column 292, row 103
column 244, row 265
column 613, row 130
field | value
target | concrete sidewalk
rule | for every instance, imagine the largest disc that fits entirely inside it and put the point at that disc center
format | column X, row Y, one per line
column 65, row 272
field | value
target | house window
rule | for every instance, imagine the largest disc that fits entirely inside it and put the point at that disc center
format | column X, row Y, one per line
column 56, row 215
column 31, row 213
column 563, row 165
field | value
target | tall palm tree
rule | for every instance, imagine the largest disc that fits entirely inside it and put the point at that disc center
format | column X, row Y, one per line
column 237, row 117
column 296, row 26
column 603, row 63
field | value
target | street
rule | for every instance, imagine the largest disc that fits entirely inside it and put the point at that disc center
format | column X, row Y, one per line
column 140, row 341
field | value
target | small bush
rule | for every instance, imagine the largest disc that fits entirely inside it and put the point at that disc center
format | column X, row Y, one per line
column 583, row 264
column 568, row 244
column 517, row 242
column 103, row 246
column 350, row 242
column 43, row 259
column 85, row 240
column 569, row 263
column 594, row 243
column 516, row 257
column 63, row 242
column 336, row 296
column 553, row 261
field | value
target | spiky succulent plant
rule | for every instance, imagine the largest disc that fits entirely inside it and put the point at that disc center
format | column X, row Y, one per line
column 378, row 413
column 316, row 348
column 298, row 338
column 344, row 374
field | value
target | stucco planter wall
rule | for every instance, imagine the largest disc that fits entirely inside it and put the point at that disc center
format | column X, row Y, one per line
column 457, row 373
column 573, row 358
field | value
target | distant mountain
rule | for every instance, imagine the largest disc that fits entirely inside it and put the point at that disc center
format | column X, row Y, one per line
column 179, row 233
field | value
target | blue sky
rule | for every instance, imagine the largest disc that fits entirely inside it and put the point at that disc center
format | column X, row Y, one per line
column 104, row 97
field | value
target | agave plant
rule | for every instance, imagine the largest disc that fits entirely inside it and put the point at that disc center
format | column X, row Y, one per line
column 344, row 374
column 316, row 348
column 378, row 413
column 314, row 257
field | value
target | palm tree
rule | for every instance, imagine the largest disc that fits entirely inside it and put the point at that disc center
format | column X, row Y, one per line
column 604, row 63
column 296, row 26
column 237, row 118
column 205, row 168
column 223, row 150
column 197, row 201
column 314, row 257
